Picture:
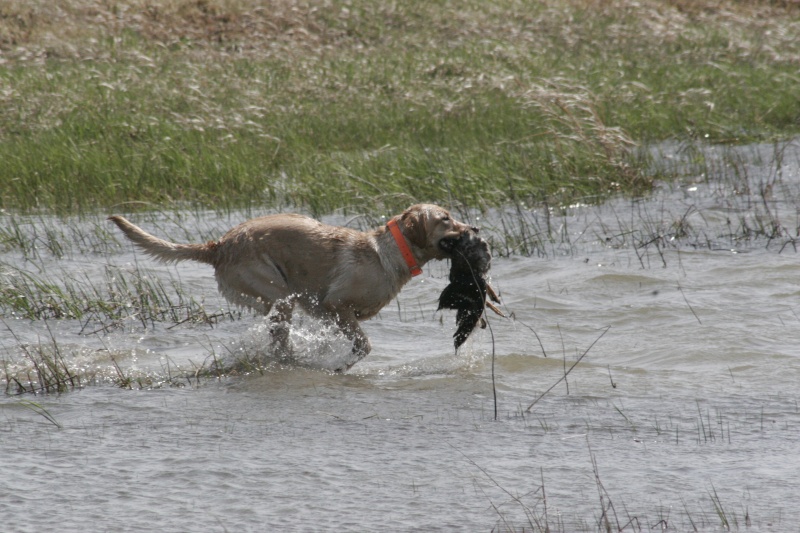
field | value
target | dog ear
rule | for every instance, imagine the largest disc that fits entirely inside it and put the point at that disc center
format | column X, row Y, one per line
column 413, row 221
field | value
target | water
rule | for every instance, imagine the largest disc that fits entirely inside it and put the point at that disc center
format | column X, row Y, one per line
column 683, row 414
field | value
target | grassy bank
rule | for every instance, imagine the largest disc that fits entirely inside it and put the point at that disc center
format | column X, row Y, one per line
column 359, row 105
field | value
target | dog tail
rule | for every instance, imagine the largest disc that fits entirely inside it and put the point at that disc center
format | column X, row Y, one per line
column 162, row 250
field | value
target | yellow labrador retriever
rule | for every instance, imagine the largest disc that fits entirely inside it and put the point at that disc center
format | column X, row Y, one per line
column 336, row 274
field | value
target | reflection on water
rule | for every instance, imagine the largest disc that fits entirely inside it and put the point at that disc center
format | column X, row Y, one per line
column 683, row 416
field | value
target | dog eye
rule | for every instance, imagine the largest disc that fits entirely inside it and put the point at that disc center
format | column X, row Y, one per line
column 445, row 218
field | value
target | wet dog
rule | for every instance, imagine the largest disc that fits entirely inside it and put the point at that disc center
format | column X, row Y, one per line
column 337, row 274
column 468, row 287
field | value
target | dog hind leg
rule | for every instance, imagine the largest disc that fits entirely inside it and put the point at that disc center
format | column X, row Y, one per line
column 280, row 320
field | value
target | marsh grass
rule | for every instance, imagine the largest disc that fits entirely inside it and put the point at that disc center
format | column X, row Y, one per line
column 746, row 184
column 212, row 368
column 97, row 301
column 611, row 515
column 170, row 376
column 37, row 239
column 41, row 411
column 47, row 370
column 121, row 294
column 369, row 107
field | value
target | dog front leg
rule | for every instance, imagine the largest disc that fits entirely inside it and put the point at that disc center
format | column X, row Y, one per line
column 352, row 330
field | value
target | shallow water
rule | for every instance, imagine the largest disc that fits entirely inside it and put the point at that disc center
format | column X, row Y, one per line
column 683, row 414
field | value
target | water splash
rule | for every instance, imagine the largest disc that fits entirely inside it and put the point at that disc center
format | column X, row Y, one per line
column 314, row 344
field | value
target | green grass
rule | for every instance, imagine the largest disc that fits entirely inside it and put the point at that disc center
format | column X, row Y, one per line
column 102, row 304
column 366, row 106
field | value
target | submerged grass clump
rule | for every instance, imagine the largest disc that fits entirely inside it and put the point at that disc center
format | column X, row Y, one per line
column 363, row 106
column 535, row 511
column 119, row 295
column 50, row 368
column 734, row 198
column 45, row 369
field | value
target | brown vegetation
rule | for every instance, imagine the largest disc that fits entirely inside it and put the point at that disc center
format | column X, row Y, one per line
column 71, row 28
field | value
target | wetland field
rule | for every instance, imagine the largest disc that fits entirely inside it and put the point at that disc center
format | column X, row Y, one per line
column 635, row 167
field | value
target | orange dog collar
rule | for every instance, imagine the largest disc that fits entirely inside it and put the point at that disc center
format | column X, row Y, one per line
column 404, row 249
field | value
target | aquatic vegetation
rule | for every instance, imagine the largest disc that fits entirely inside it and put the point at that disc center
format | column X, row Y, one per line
column 46, row 370
column 119, row 295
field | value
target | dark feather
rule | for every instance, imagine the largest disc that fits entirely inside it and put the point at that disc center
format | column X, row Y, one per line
column 466, row 293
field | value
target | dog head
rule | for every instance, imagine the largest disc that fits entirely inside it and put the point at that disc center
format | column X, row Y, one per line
column 432, row 229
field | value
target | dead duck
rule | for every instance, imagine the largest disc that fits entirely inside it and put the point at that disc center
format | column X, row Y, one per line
column 468, row 288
